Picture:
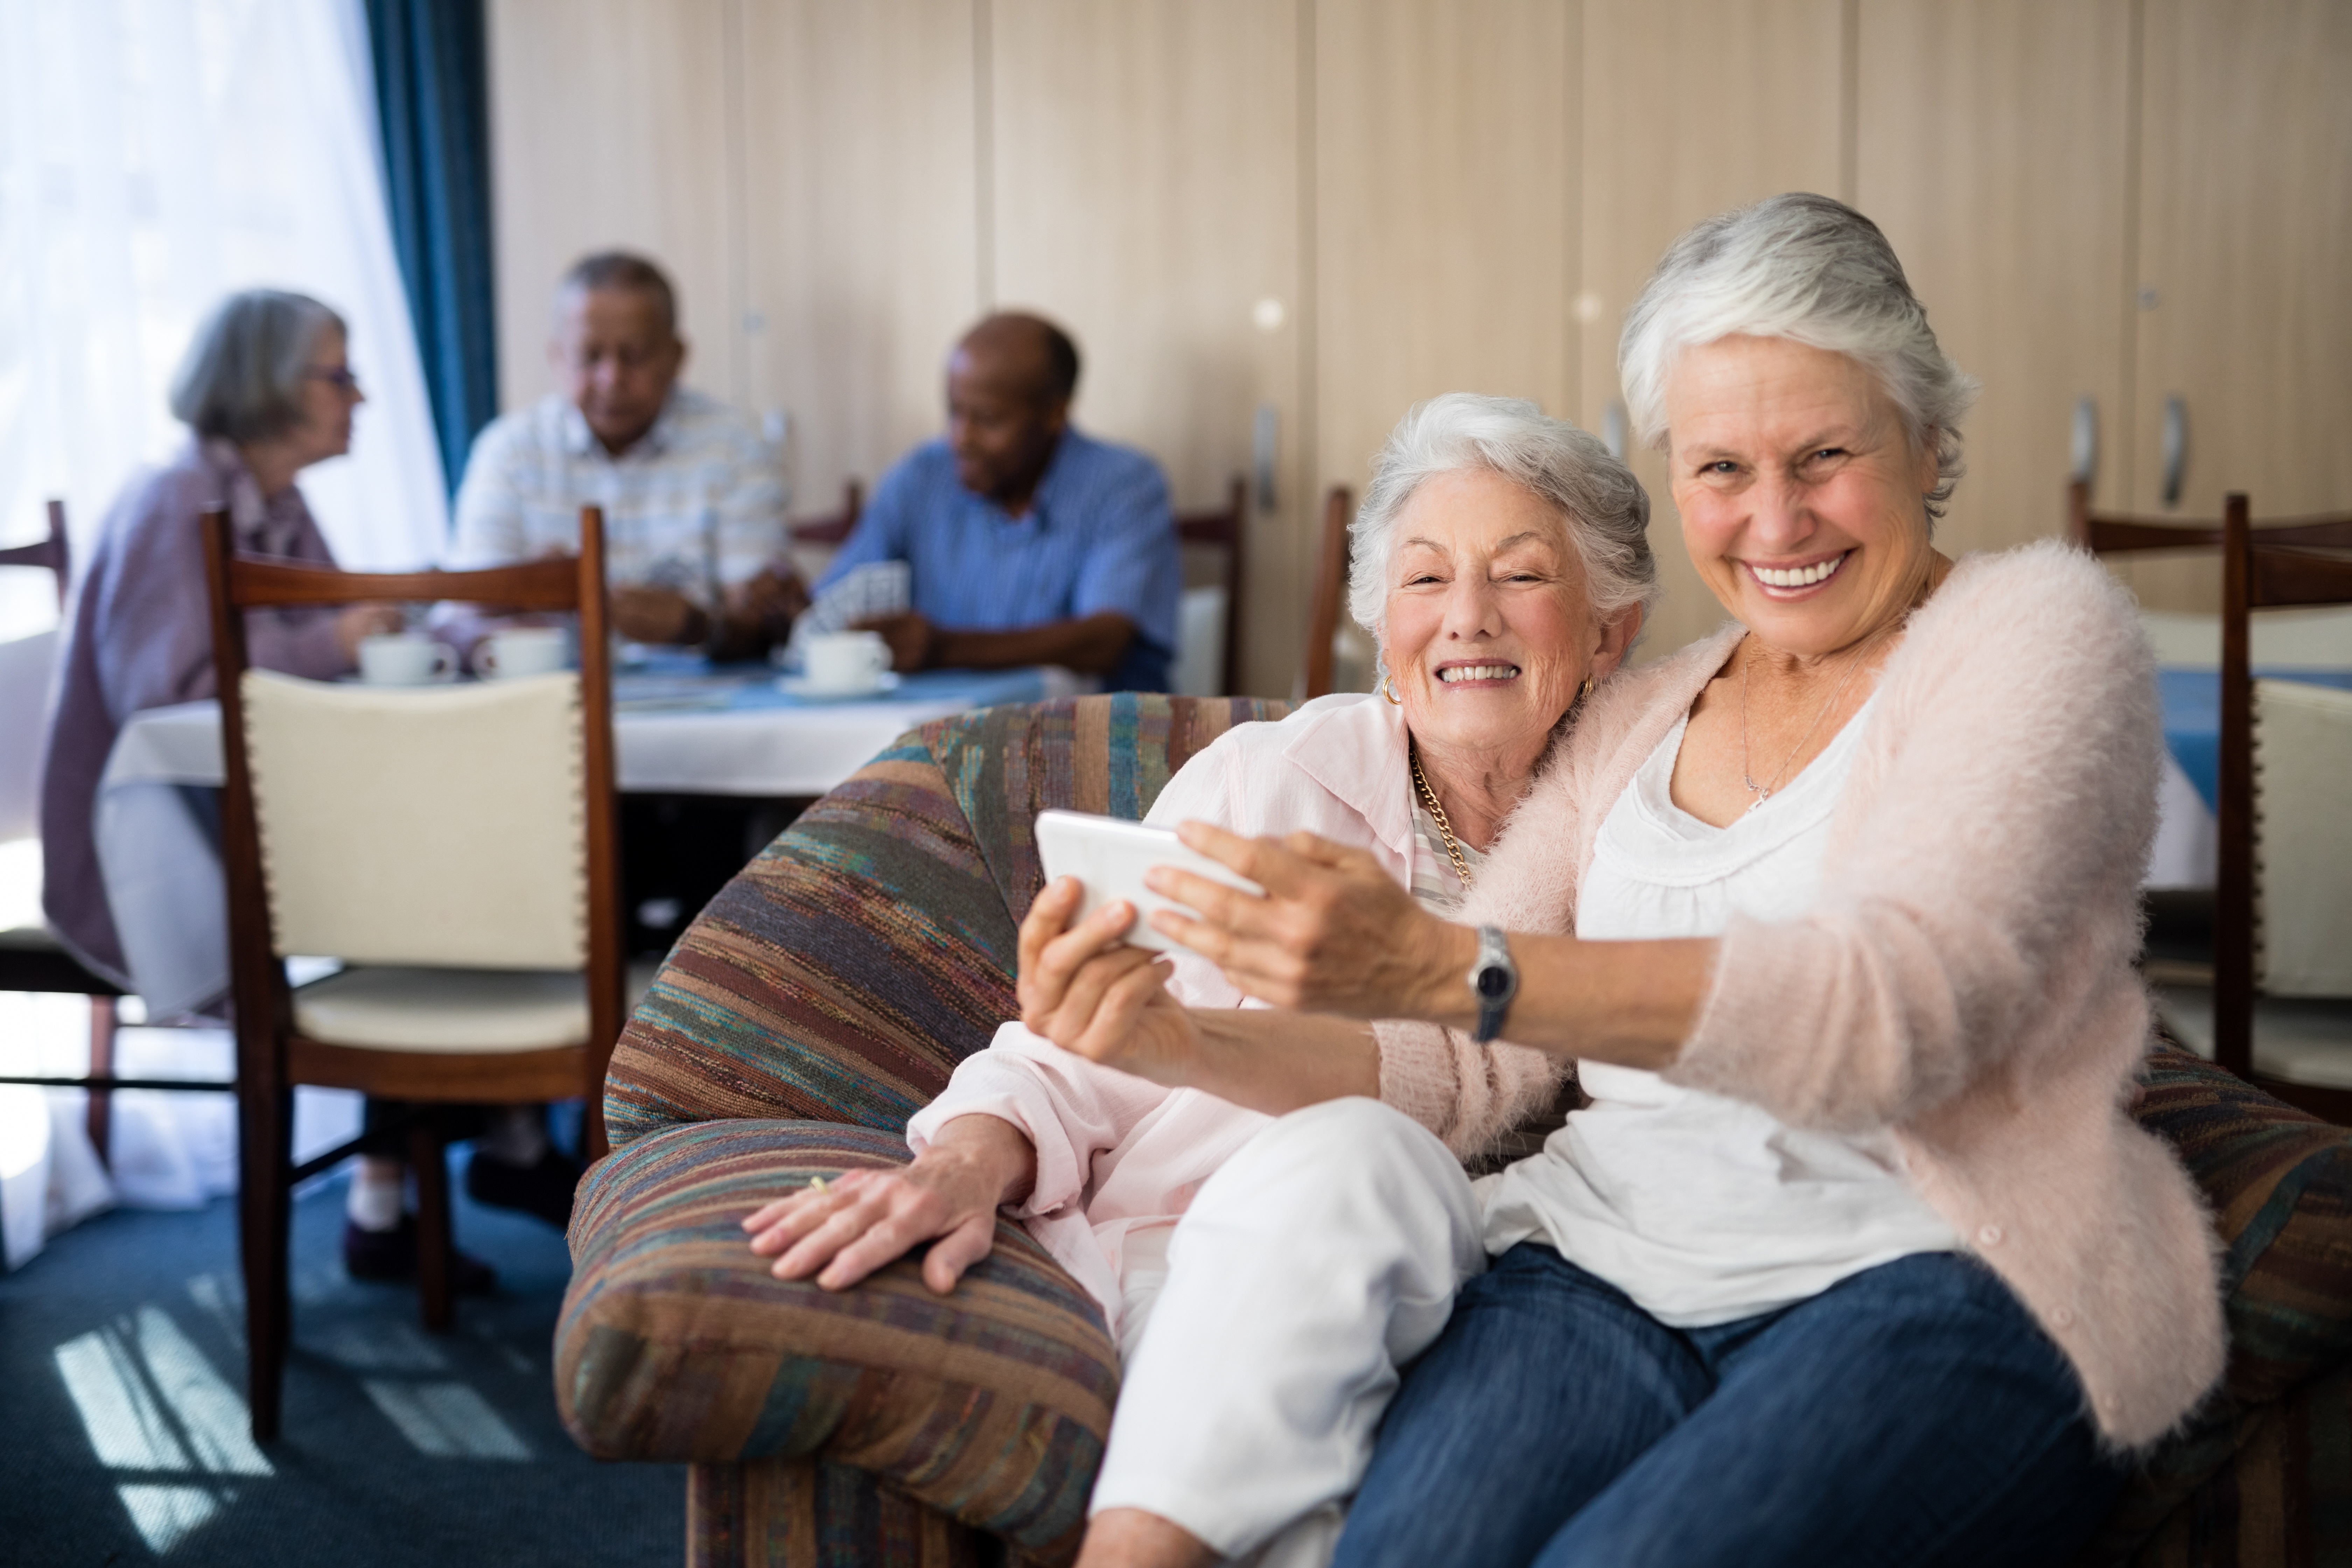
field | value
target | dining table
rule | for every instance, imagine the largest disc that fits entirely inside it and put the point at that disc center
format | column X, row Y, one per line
column 680, row 725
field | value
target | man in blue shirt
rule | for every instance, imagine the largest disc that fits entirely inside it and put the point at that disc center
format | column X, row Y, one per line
column 1026, row 541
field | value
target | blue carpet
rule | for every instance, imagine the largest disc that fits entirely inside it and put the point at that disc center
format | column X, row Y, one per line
column 122, row 1422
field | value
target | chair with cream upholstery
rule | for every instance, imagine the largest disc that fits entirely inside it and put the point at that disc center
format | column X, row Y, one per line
column 453, row 847
column 2283, row 894
column 31, row 957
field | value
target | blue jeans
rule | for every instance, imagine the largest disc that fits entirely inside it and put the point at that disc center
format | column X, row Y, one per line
column 1911, row 1414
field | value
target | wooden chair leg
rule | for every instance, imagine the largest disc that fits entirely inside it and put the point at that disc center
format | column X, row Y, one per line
column 265, row 1137
column 430, row 1162
column 102, row 1065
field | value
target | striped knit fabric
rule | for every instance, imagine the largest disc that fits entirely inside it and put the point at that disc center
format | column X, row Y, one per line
column 2265, row 1474
column 988, row 1404
column 818, row 1001
column 843, row 974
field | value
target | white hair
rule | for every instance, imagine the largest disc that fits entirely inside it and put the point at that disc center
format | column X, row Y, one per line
column 1602, row 508
column 1812, row 270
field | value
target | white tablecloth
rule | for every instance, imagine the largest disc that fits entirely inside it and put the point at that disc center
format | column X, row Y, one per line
column 157, row 843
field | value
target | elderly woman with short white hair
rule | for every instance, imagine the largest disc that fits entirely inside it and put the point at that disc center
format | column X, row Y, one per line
column 1502, row 565
column 1854, row 1255
column 266, row 390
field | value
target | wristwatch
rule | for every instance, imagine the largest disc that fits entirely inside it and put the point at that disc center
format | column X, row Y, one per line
column 1494, row 980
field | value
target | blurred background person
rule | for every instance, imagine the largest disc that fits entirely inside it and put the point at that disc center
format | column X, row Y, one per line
column 266, row 390
column 1027, row 541
column 694, row 505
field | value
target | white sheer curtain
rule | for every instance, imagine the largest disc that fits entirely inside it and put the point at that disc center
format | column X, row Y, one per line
column 155, row 154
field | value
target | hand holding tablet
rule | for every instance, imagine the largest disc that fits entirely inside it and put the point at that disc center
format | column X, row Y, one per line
column 1109, row 856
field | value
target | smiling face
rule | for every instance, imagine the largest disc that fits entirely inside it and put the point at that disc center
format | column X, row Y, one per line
column 1489, row 632
column 1803, row 499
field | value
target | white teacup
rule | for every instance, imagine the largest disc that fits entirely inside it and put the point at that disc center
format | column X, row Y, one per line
column 518, row 651
column 845, row 663
column 400, row 659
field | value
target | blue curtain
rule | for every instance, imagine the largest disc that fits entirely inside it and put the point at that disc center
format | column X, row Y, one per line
column 433, row 96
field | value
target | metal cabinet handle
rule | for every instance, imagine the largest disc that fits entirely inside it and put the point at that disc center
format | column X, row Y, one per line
column 2087, row 440
column 2176, row 448
column 1261, row 452
column 1612, row 428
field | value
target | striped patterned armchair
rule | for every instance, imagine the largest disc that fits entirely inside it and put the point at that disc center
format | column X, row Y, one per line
column 828, row 993
column 823, row 998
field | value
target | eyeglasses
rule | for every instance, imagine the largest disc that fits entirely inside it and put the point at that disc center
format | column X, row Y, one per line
column 338, row 376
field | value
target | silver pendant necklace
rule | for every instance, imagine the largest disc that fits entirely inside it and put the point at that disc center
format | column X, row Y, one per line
column 1763, row 792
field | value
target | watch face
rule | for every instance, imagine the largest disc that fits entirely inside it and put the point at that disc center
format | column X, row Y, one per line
column 1494, row 980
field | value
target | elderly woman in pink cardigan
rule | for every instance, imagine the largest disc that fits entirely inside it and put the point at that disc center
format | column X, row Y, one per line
column 1854, row 1255
column 1502, row 565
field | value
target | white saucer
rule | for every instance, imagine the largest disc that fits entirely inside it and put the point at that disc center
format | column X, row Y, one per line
column 798, row 686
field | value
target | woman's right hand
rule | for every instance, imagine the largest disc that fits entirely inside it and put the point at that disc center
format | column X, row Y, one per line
column 846, row 1230
column 1085, row 989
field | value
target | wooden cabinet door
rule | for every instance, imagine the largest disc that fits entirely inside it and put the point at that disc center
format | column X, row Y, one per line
column 1993, row 145
column 1144, row 192
column 2245, row 275
column 604, row 132
column 1444, row 156
column 860, row 263
column 1689, row 109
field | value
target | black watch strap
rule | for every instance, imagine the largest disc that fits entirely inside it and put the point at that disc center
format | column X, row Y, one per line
column 1494, row 980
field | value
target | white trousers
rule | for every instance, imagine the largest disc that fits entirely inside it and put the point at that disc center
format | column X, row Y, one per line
column 1322, row 1256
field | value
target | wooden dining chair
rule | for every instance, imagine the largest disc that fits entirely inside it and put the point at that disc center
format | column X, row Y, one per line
column 2117, row 533
column 53, row 553
column 31, row 957
column 832, row 528
column 455, row 847
column 1330, row 590
column 2281, row 805
column 1223, row 528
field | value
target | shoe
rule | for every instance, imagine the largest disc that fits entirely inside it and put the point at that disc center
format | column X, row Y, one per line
column 391, row 1256
column 544, row 1189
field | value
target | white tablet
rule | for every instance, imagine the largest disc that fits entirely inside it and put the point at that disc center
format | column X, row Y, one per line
column 1110, row 856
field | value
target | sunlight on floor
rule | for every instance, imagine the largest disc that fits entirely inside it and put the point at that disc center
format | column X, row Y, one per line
column 152, row 1404
column 446, row 1420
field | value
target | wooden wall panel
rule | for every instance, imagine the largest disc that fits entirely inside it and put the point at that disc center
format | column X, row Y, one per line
column 1994, row 150
column 1145, row 195
column 2245, row 250
column 1689, row 109
column 1445, row 220
column 860, row 190
column 607, row 129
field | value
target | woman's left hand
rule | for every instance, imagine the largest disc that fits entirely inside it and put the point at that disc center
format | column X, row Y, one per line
column 1333, row 932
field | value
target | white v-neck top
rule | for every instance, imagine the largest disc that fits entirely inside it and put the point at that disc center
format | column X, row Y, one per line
column 1705, row 1210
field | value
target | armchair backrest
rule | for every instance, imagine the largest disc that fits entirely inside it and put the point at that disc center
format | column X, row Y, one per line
column 841, row 974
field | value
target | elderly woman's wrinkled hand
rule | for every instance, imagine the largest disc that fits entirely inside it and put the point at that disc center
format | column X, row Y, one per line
column 1333, row 932
column 1085, row 989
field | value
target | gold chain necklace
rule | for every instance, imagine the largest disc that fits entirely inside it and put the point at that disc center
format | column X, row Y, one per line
column 1444, row 828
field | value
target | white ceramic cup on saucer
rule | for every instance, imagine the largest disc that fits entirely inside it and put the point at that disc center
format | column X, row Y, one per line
column 844, row 664
column 518, row 651
column 403, row 658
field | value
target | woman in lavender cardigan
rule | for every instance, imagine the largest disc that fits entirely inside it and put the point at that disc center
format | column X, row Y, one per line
column 1856, row 1255
column 265, row 389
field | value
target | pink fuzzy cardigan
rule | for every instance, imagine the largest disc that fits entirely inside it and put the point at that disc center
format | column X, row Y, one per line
column 1966, row 981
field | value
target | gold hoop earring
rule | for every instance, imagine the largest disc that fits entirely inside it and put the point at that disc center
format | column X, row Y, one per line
column 1387, row 690
column 1586, row 690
